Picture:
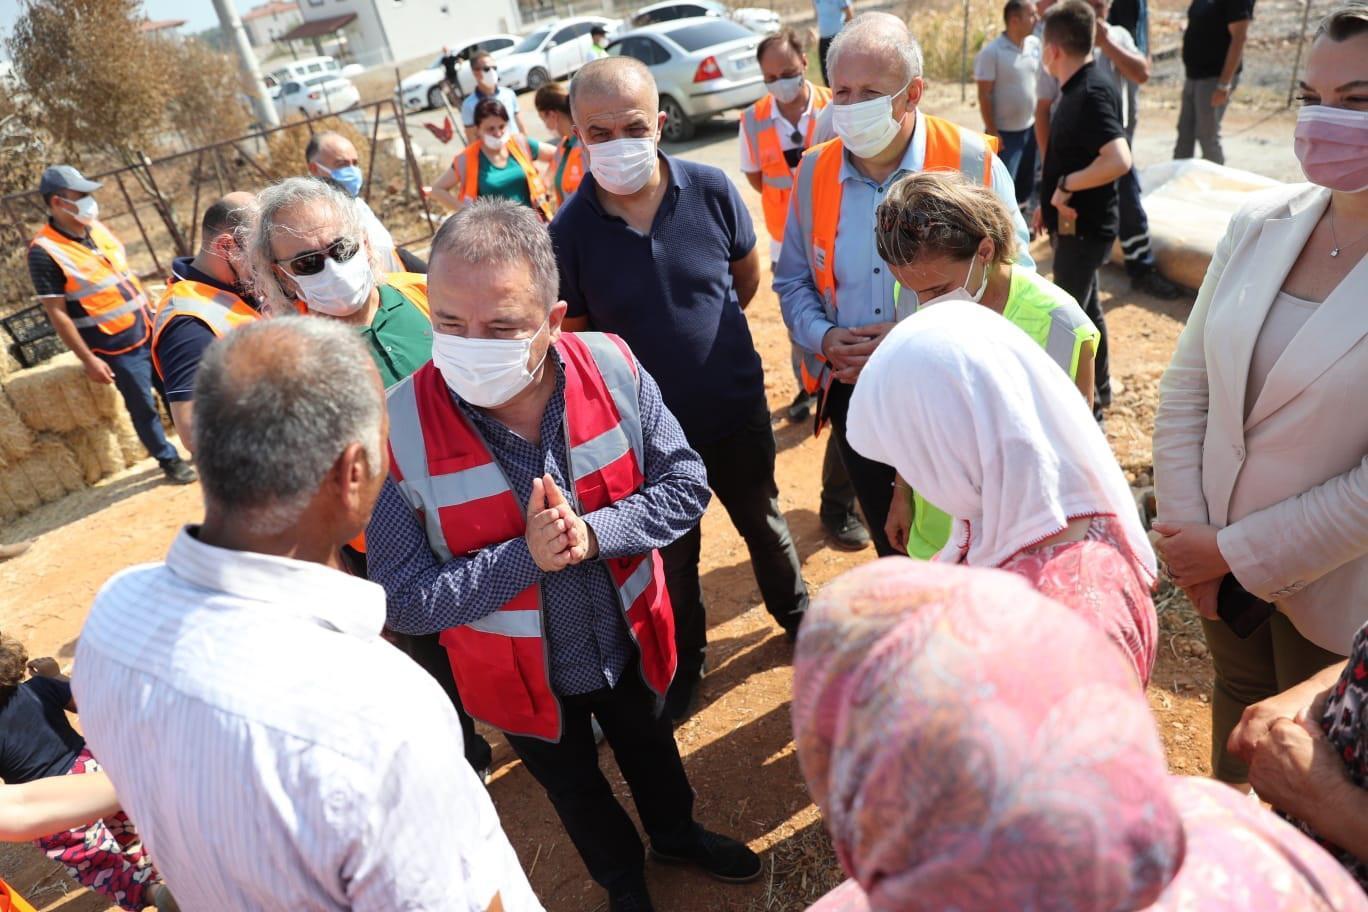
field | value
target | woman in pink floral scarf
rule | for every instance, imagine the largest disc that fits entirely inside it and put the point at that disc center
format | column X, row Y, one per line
column 975, row 746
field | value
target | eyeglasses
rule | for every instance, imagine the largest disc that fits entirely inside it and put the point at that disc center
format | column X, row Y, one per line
column 311, row 262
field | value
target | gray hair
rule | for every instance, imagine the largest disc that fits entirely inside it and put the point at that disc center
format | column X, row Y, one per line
column 273, row 204
column 494, row 232
column 879, row 33
column 276, row 403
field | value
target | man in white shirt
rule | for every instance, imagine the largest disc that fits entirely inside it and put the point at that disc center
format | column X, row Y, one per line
column 1005, row 71
column 332, row 157
column 486, row 70
column 277, row 753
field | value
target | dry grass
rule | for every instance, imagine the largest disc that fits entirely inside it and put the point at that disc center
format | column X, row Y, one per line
column 16, row 440
column 940, row 30
column 798, row 872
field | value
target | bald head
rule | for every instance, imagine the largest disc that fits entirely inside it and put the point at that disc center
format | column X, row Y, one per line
column 228, row 215
column 329, row 151
column 882, row 36
column 619, row 79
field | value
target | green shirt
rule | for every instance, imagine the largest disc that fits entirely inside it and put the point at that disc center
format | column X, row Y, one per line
column 399, row 337
column 508, row 182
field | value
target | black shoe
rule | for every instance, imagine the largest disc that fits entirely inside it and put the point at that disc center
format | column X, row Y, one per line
column 721, row 857
column 1153, row 284
column 848, row 533
column 630, row 897
column 178, row 471
column 800, row 408
column 683, row 697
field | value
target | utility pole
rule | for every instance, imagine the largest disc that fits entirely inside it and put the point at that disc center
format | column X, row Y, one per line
column 247, row 62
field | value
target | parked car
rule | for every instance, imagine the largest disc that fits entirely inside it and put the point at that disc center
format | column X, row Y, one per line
column 316, row 95
column 304, row 68
column 760, row 21
column 424, row 88
column 702, row 67
column 551, row 52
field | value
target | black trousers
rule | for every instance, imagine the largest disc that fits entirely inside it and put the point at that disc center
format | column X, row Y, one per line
column 823, row 46
column 741, row 474
column 1076, row 261
column 838, row 494
column 432, row 656
column 643, row 742
column 873, row 481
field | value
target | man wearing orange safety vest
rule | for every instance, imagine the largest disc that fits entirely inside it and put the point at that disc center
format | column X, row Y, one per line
column 535, row 474
column 204, row 300
column 98, row 307
column 836, row 294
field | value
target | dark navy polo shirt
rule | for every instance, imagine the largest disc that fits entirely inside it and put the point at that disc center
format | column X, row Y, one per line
column 181, row 345
column 670, row 294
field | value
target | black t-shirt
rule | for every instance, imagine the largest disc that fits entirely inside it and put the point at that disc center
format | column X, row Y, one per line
column 1127, row 14
column 36, row 740
column 1087, row 117
column 1207, row 36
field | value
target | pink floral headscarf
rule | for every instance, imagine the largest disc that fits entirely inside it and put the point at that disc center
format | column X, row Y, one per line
column 975, row 746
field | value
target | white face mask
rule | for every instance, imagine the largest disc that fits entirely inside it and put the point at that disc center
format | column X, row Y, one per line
column 339, row 289
column 622, row 166
column 963, row 293
column 87, row 209
column 489, row 78
column 786, row 90
column 495, row 143
column 485, row 372
column 867, row 127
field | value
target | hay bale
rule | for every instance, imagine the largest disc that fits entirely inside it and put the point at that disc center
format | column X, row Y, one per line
column 133, row 450
column 40, row 395
column 78, row 443
column 8, row 363
column 108, row 402
column 52, row 469
column 97, row 450
column 14, row 485
column 8, row 509
column 15, row 438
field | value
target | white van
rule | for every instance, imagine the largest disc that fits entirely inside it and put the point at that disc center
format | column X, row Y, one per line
column 303, row 69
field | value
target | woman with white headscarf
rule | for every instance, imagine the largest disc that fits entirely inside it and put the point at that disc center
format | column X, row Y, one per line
column 975, row 416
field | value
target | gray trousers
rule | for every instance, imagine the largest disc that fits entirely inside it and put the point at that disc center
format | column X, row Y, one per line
column 1198, row 122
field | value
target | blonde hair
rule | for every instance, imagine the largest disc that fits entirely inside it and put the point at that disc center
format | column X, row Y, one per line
column 942, row 213
column 13, row 664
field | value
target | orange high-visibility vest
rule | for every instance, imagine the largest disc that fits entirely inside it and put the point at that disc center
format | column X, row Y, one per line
column 102, row 293
column 465, row 504
column 521, row 152
column 11, row 901
column 760, row 127
column 573, row 174
column 949, row 147
column 221, row 311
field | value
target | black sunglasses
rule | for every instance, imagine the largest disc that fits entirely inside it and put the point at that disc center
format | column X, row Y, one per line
column 311, row 262
column 487, row 69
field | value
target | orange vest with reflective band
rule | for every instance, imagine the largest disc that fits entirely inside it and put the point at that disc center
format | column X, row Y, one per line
column 465, row 503
column 761, row 130
column 573, row 174
column 221, row 311
column 102, row 292
column 521, row 153
column 817, row 202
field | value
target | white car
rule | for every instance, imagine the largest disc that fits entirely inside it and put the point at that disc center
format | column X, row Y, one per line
column 424, row 88
column 315, row 96
column 551, row 52
column 760, row 21
column 306, row 67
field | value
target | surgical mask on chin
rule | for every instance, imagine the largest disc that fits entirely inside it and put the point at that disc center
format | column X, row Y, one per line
column 622, row 166
column 485, row 372
column 349, row 178
column 786, row 90
column 340, row 289
column 495, row 143
column 87, row 209
column 1332, row 146
column 963, row 293
column 867, row 127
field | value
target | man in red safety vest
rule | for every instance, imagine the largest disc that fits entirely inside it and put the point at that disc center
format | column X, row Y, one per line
column 535, row 474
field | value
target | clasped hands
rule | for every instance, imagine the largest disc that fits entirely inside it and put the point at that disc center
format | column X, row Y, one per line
column 847, row 350
column 1193, row 558
column 556, row 536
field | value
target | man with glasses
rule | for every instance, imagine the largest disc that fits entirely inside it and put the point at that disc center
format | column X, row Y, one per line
column 487, row 86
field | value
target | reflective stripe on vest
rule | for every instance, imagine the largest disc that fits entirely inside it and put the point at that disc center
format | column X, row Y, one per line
column 98, row 282
column 520, row 152
column 469, row 505
column 760, row 129
column 217, row 309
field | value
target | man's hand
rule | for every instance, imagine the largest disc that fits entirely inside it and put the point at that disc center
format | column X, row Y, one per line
column 1203, row 598
column 583, row 545
column 899, row 522
column 556, row 537
column 1220, row 98
column 1191, row 553
column 849, row 349
column 1037, row 221
column 1298, row 771
column 1259, row 719
column 99, row 371
column 1060, row 200
column 44, row 667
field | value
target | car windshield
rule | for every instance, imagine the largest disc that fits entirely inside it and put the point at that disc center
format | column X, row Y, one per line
column 699, row 35
column 532, row 41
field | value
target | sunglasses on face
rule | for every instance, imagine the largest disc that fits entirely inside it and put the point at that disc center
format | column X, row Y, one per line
column 311, row 262
column 487, row 69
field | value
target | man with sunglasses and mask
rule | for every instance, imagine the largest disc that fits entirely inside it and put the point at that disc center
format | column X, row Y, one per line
column 838, row 297
column 486, row 71
column 97, row 306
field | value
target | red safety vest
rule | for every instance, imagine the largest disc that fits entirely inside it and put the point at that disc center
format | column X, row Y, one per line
column 102, row 292
column 465, row 503
column 520, row 152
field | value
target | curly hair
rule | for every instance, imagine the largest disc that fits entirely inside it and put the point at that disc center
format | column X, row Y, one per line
column 13, row 664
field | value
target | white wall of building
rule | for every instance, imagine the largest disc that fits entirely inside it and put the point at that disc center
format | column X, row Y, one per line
column 419, row 27
column 261, row 28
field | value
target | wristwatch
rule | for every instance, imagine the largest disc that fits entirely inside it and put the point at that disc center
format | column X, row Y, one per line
column 1225, row 87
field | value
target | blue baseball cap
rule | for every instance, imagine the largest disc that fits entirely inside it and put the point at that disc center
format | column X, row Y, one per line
column 65, row 177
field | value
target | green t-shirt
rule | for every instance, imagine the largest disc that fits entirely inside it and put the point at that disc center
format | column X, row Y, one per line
column 399, row 337
column 507, row 182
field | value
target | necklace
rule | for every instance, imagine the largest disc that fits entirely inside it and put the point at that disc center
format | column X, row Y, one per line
column 1335, row 251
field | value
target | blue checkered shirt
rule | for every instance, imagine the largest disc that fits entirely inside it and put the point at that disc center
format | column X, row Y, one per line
column 589, row 643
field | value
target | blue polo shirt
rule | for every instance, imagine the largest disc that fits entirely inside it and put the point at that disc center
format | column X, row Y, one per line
column 670, row 293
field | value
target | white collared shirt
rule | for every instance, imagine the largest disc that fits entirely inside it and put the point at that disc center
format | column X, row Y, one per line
column 274, row 751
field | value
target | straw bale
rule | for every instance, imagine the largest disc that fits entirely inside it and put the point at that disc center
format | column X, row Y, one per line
column 108, row 402
column 8, row 509
column 15, row 486
column 15, row 438
column 52, row 469
column 8, row 363
column 79, row 443
column 40, row 395
column 133, row 450
column 97, row 450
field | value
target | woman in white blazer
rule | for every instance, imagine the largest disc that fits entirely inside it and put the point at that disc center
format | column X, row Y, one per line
column 1261, row 437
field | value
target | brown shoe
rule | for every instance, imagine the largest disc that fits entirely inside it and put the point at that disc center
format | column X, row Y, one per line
column 14, row 550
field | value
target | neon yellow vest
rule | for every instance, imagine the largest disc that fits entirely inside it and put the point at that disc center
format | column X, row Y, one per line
column 1050, row 316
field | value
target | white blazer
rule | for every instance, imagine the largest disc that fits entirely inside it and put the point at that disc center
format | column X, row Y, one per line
column 1288, row 487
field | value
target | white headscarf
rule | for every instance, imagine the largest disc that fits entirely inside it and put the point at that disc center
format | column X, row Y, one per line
column 977, row 419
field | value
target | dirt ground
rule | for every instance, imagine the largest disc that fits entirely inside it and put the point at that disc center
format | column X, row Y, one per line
column 738, row 750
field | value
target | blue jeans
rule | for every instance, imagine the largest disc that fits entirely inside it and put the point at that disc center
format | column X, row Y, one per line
column 1019, row 155
column 133, row 376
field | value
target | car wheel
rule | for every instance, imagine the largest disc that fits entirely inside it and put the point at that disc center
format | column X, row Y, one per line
column 537, row 78
column 435, row 96
column 678, row 126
